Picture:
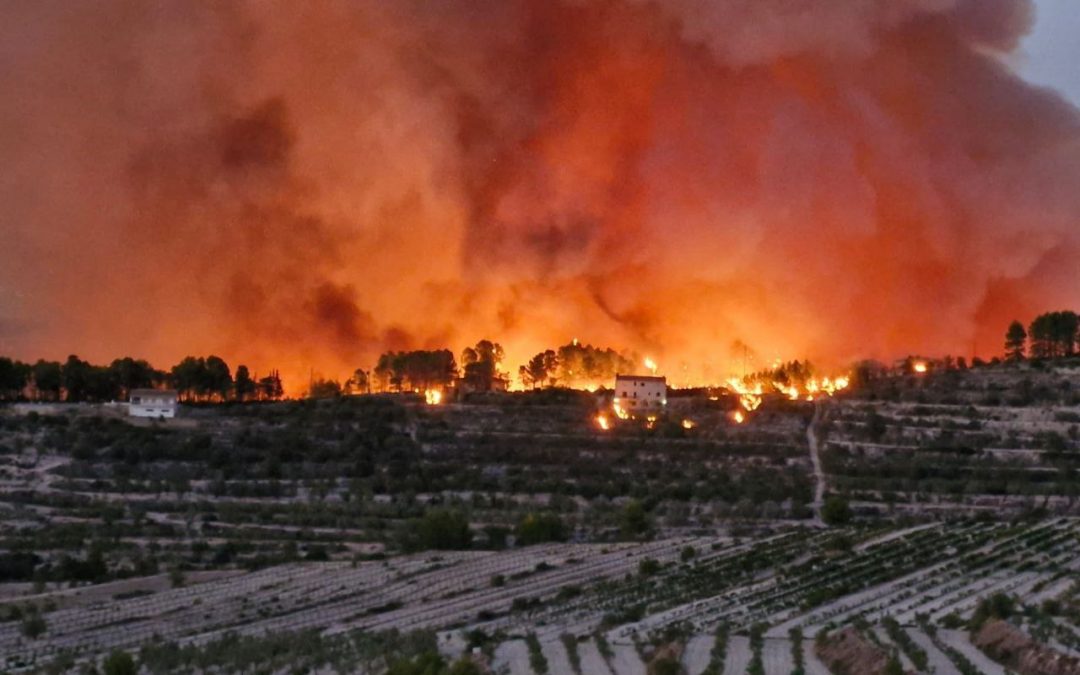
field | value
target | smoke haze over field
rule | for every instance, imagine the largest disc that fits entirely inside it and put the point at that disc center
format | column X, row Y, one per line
column 307, row 184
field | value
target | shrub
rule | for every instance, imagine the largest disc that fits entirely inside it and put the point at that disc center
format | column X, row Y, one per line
column 648, row 567
column 836, row 511
column 33, row 626
column 537, row 659
column 119, row 663
column 537, row 528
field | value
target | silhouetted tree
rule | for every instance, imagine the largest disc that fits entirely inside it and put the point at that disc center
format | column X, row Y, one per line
column 540, row 370
column 1054, row 334
column 128, row 373
column 188, row 376
column 270, row 387
column 75, row 376
column 201, row 378
column 47, row 380
column 243, row 385
column 14, row 376
column 217, row 377
column 481, row 365
column 415, row 370
column 325, row 389
column 358, row 383
column 1015, row 341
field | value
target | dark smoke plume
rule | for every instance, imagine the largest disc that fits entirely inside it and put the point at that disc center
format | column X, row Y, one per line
column 306, row 184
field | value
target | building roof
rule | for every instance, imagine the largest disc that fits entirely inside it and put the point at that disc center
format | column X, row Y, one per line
column 642, row 378
column 152, row 392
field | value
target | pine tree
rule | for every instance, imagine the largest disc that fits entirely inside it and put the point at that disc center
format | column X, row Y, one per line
column 1015, row 341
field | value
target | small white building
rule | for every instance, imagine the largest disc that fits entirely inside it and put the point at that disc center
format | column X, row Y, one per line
column 152, row 403
column 640, row 392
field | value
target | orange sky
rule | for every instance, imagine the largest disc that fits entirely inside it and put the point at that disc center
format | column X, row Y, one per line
column 304, row 185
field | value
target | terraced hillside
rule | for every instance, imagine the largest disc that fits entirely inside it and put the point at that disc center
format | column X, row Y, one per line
column 614, row 605
column 992, row 438
column 355, row 533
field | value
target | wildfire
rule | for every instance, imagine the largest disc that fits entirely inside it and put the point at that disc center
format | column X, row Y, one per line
column 602, row 422
column 620, row 412
column 433, row 396
column 650, row 365
column 919, row 367
column 749, row 397
column 650, row 421
column 688, row 424
column 825, row 386
column 739, row 417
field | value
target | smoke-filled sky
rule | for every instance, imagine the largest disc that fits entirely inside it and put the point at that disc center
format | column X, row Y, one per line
column 307, row 184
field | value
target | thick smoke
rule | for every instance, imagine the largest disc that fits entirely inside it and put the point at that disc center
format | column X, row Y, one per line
column 306, row 184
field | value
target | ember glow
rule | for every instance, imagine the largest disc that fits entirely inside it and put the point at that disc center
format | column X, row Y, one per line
column 433, row 397
column 749, row 395
column 751, row 391
column 306, row 185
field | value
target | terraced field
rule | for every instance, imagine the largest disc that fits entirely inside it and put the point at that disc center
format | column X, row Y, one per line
column 307, row 526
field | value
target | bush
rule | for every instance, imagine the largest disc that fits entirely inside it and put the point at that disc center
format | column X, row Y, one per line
column 648, row 567
column 119, row 663
column 537, row 659
column 571, row 652
column 997, row 606
column 34, row 626
column 836, row 511
column 634, row 521
column 439, row 529
column 537, row 528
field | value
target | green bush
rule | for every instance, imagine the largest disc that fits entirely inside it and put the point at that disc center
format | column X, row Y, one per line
column 119, row 663
column 836, row 511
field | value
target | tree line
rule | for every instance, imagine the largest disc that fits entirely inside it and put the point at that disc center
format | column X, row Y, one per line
column 420, row 369
column 480, row 368
column 76, row 380
column 575, row 364
column 1049, row 335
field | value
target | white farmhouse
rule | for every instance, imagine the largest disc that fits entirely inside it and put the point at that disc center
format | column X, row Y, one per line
column 152, row 403
column 640, row 392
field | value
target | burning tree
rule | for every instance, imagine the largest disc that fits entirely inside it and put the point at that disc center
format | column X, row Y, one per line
column 579, row 364
column 481, row 365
